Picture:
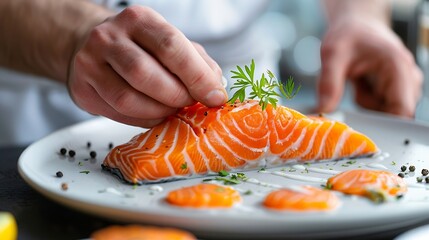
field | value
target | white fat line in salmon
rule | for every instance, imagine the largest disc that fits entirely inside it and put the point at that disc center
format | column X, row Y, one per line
column 311, row 142
column 171, row 149
column 340, row 143
column 323, row 142
column 213, row 150
column 237, row 140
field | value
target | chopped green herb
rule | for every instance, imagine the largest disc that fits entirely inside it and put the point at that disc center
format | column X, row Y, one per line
column 261, row 170
column 242, row 176
column 223, row 173
column 264, row 89
column 307, row 164
column 351, row 162
column 345, row 165
column 184, row 165
column 86, row 172
column 135, row 186
column 292, row 170
column 207, row 179
column 248, row 192
column 227, row 181
column 393, row 163
column 80, row 164
column 328, row 186
column 377, row 196
column 419, row 179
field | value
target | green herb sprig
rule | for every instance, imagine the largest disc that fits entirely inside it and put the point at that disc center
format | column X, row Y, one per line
column 264, row 88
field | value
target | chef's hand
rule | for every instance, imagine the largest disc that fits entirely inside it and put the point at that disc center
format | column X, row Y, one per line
column 138, row 69
column 383, row 72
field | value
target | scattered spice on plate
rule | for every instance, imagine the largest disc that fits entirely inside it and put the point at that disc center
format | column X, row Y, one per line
column 59, row 174
column 88, row 144
column 72, row 153
column 406, row 141
column 110, row 145
column 412, row 168
column 402, row 175
column 425, row 172
column 93, row 154
column 403, row 168
column 64, row 186
column 427, row 179
column 86, row 172
column 419, row 179
column 63, row 151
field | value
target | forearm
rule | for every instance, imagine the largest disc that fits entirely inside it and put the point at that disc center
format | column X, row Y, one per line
column 40, row 36
column 372, row 9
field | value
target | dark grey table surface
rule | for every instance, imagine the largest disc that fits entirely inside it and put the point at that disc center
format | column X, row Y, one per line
column 37, row 216
column 41, row 218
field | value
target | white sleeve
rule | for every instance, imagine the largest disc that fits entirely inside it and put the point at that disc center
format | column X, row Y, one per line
column 202, row 20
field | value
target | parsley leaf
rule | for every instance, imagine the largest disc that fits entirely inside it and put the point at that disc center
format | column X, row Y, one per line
column 263, row 89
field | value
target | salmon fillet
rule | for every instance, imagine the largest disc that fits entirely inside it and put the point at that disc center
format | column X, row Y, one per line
column 234, row 137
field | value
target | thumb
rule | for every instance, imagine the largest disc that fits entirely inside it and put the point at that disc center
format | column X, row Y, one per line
column 331, row 82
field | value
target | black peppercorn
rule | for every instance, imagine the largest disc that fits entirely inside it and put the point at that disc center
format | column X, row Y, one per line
column 88, row 144
column 59, row 174
column 93, row 154
column 427, row 179
column 419, row 179
column 406, row 141
column 63, row 151
column 401, row 175
column 72, row 153
column 110, row 145
column 412, row 168
column 425, row 172
column 206, row 113
column 403, row 168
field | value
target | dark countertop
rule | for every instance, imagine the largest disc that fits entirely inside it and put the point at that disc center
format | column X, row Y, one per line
column 37, row 216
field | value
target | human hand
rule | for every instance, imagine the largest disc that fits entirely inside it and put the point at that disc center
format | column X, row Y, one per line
column 383, row 72
column 138, row 69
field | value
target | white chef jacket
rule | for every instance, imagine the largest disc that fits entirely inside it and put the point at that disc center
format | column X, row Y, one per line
column 32, row 107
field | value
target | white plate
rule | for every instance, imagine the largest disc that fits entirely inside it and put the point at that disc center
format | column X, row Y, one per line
column 87, row 192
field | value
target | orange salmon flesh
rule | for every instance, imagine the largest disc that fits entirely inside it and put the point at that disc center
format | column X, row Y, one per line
column 366, row 183
column 134, row 232
column 204, row 196
column 199, row 140
column 309, row 199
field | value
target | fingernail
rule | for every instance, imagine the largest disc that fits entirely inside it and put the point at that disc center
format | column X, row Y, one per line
column 216, row 98
column 224, row 82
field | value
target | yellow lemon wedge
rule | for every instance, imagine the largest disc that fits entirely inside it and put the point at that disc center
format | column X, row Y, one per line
column 8, row 227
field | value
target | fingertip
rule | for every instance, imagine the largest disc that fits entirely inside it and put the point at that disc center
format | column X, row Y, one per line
column 215, row 98
column 326, row 103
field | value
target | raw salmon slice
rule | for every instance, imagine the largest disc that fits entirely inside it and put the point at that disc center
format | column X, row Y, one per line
column 134, row 232
column 204, row 196
column 234, row 137
column 306, row 199
column 377, row 185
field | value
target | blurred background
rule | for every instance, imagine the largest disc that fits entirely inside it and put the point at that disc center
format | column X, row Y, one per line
column 301, row 25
